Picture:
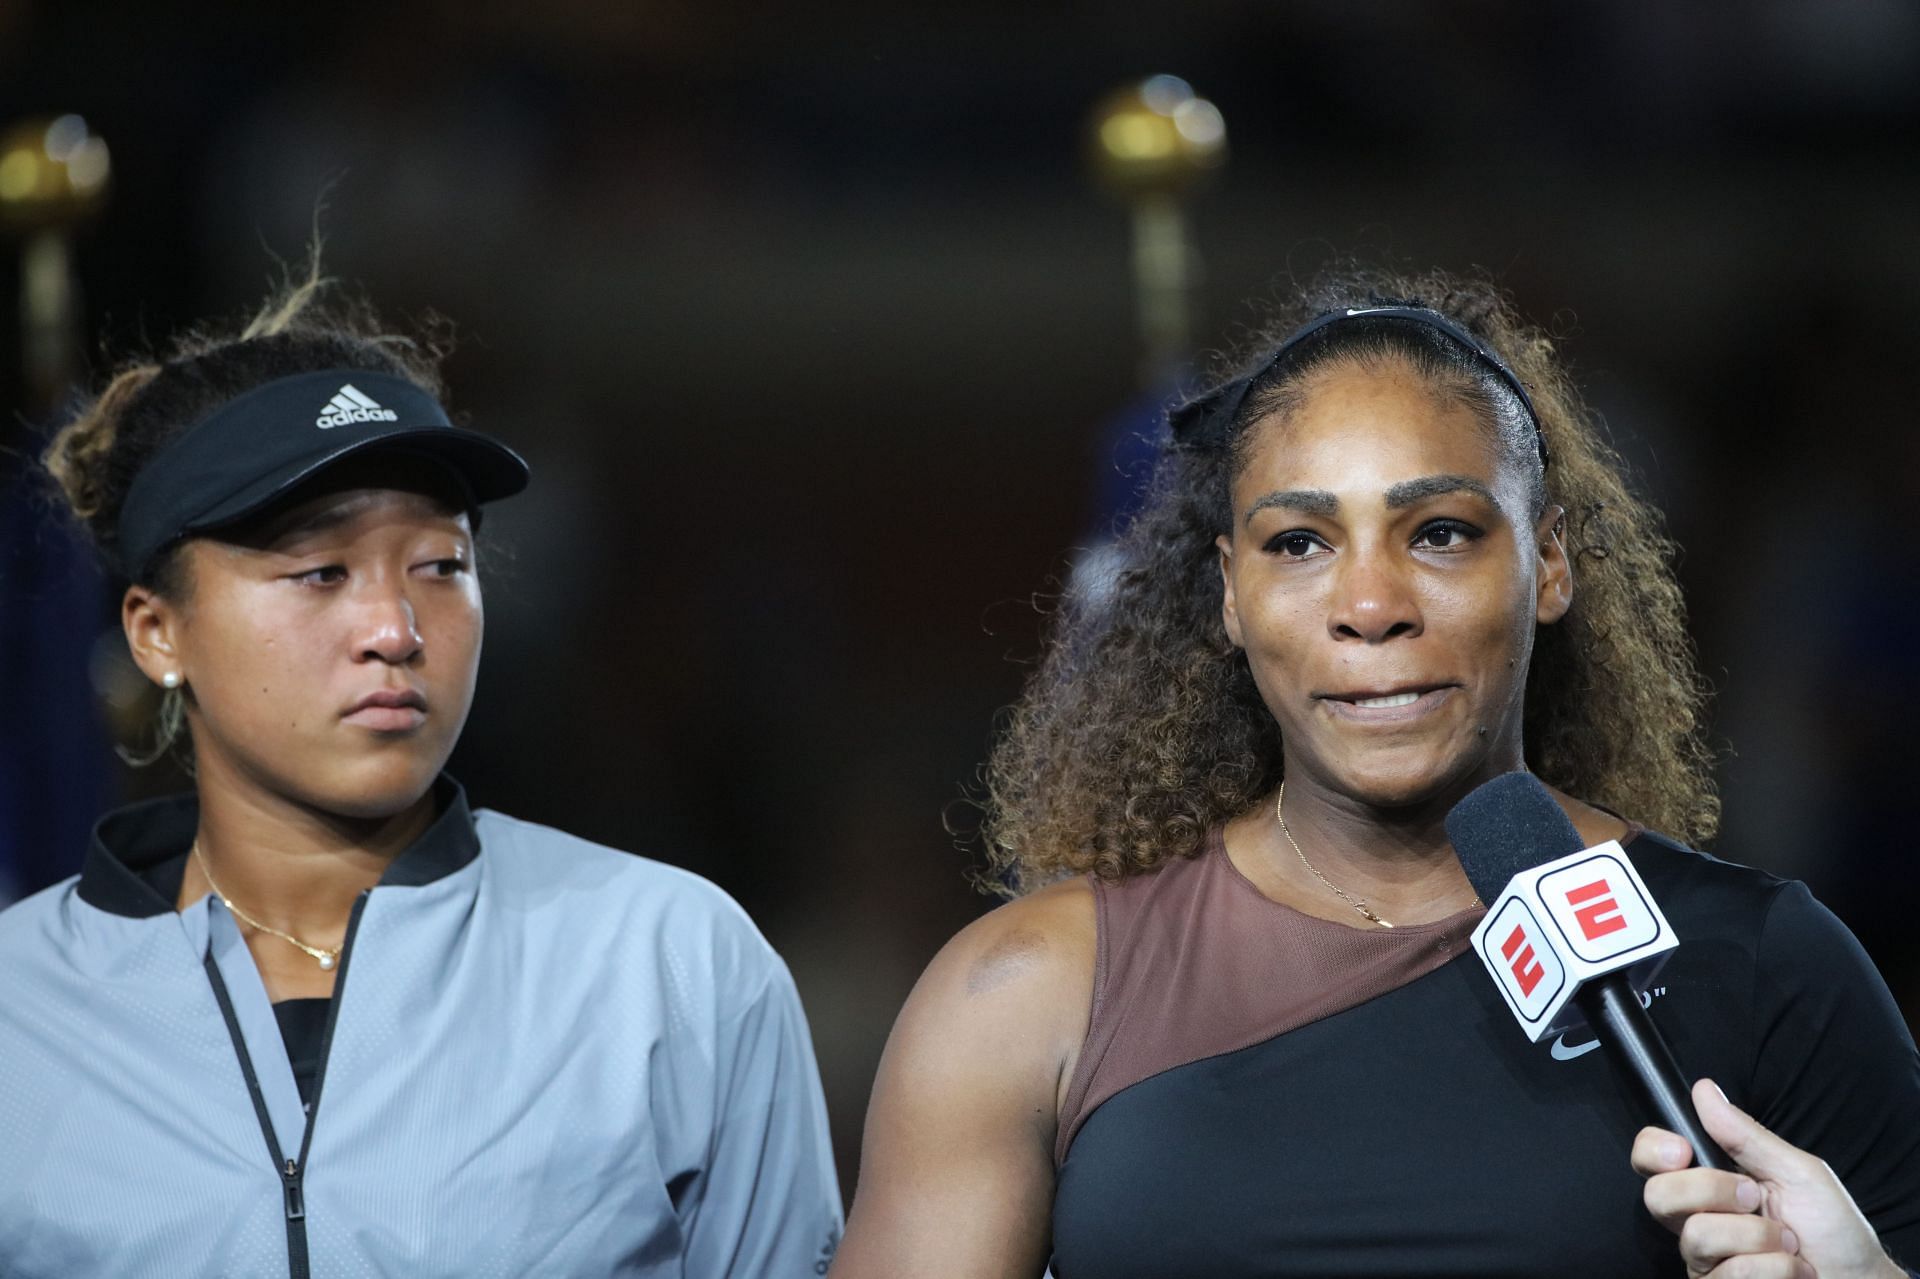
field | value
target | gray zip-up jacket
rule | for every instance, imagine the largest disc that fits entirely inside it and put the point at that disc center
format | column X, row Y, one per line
column 544, row 1057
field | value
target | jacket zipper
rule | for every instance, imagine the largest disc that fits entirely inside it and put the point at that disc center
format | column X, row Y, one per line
column 296, row 1198
column 292, row 1172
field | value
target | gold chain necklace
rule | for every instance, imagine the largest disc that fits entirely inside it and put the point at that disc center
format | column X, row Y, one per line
column 1279, row 812
column 327, row 958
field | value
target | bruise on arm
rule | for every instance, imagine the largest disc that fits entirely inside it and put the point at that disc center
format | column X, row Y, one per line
column 1008, row 958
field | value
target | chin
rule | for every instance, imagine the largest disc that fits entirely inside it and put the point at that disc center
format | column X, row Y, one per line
column 1389, row 796
column 378, row 788
column 1402, row 784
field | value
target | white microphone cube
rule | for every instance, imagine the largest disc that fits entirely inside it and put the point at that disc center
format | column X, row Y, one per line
column 1564, row 923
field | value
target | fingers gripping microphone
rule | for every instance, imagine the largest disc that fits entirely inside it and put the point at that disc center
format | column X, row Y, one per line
column 1572, row 935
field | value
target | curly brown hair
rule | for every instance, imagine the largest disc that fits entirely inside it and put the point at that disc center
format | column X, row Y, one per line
column 1141, row 727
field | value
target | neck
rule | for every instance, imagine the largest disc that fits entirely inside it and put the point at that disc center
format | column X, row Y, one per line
column 1389, row 842
column 1397, row 859
column 291, row 865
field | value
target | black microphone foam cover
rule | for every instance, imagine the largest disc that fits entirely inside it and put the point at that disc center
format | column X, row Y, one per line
column 1505, row 826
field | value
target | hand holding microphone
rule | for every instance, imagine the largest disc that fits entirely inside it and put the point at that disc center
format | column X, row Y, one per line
column 1788, row 1215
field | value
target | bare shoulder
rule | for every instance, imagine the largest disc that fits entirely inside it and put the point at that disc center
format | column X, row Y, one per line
column 1046, row 937
column 1025, row 967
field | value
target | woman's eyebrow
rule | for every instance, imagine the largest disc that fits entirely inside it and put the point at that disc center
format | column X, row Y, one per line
column 1306, row 501
column 1407, row 492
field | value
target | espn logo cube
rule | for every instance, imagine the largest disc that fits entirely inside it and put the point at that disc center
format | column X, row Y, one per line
column 1564, row 923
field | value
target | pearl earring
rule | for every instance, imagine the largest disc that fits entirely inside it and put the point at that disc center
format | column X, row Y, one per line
column 171, row 679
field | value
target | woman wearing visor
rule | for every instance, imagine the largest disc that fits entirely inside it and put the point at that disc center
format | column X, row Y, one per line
column 1230, row 1027
column 319, row 1016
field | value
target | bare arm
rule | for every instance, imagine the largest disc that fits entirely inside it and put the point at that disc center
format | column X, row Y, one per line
column 956, row 1168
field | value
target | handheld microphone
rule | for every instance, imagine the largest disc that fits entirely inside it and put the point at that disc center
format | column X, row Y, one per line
column 1572, row 934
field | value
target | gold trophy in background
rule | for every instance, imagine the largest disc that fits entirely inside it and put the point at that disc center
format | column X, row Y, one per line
column 1153, row 144
column 54, row 175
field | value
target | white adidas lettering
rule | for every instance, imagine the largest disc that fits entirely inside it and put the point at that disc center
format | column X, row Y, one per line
column 349, row 404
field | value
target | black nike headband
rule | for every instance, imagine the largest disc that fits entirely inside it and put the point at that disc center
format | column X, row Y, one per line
column 255, row 449
column 1207, row 422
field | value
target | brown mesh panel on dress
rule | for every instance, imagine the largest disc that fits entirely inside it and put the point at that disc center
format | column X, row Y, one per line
column 1193, row 961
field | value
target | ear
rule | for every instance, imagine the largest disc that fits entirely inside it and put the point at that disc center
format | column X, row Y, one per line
column 152, row 625
column 1229, row 608
column 1556, row 570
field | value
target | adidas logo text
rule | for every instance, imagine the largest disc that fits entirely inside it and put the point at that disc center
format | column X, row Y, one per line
column 349, row 405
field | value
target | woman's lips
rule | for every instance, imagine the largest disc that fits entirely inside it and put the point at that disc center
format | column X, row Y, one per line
column 388, row 719
column 1397, row 707
column 389, row 711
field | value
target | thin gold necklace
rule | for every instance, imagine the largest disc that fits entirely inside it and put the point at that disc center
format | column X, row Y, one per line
column 328, row 958
column 1280, row 813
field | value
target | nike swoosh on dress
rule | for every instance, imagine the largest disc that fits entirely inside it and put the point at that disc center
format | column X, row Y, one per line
column 1563, row 1052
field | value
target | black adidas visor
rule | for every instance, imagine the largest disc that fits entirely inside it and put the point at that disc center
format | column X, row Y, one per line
column 258, row 447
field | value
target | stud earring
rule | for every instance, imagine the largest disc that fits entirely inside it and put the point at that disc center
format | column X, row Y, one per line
column 171, row 679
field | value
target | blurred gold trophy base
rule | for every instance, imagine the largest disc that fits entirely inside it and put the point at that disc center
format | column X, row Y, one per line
column 1152, row 144
column 54, row 175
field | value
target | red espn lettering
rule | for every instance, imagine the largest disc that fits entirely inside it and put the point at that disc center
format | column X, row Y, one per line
column 1603, row 916
column 1522, row 961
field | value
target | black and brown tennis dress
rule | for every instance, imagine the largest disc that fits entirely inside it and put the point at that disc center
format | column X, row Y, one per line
column 1262, row 1092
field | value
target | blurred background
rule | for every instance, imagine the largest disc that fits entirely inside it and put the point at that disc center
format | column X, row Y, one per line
column 827, row 348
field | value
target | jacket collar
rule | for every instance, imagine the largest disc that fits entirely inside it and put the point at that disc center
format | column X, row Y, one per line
column 138, row 853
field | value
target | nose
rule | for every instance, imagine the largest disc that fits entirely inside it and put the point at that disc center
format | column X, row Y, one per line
column 1373, row 600
column 388, row 631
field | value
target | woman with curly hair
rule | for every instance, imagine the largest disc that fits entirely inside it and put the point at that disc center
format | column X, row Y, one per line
column 1226, row 1027
column 319, row 1015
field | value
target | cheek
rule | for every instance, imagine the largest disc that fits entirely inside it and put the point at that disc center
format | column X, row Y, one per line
column 453, row 623
column 1280, row 637
column 263, row 681
column 1276, row 623
column 1497, row 623
column 275, row 664
column 451, row 630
